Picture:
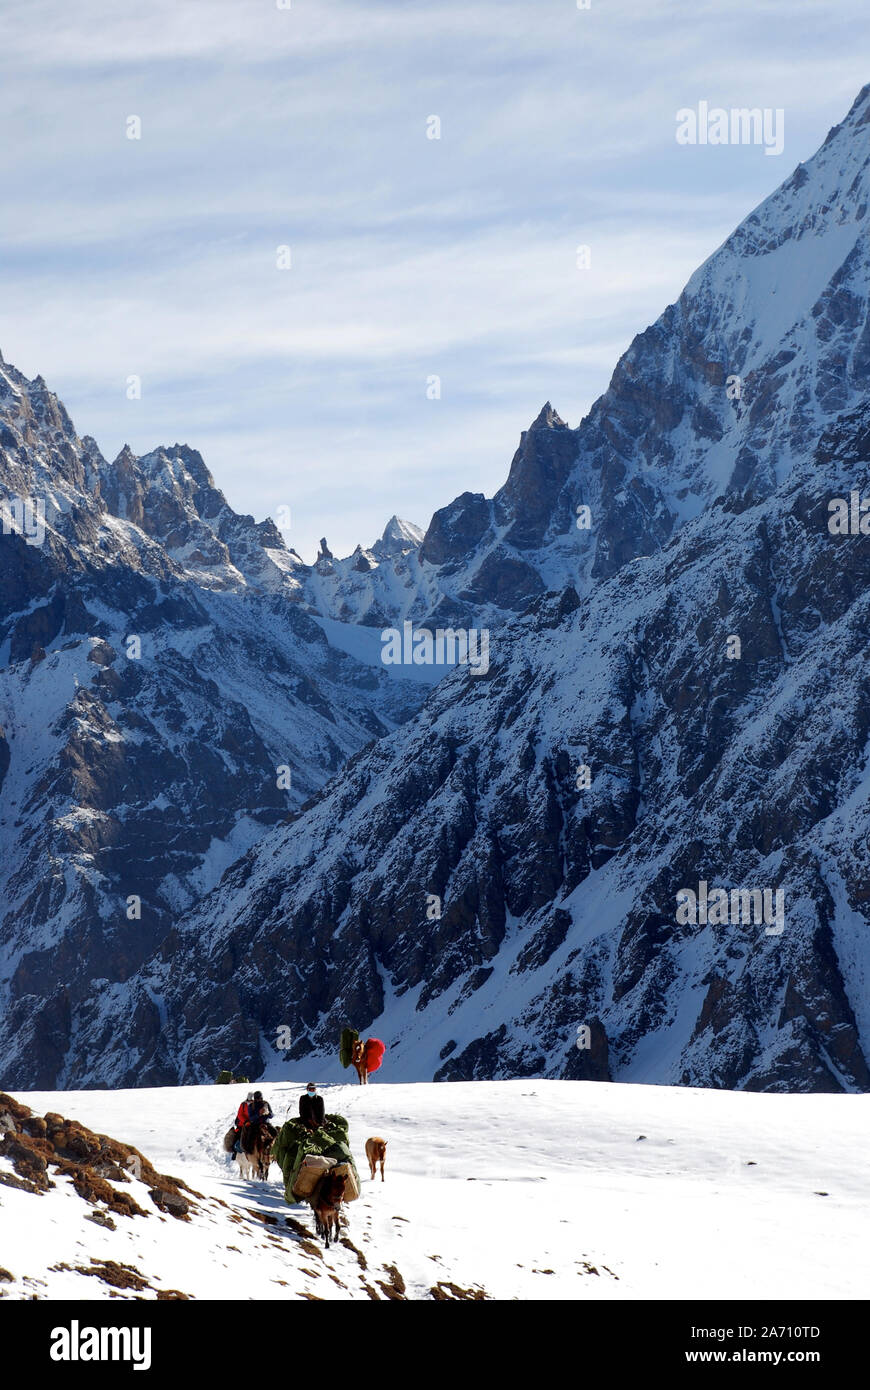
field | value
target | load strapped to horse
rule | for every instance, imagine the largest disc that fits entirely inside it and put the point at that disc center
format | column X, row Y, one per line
column 305, row 1156
column 366, row 1056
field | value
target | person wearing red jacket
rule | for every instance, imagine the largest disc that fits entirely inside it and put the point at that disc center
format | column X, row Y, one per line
column 242, row 1117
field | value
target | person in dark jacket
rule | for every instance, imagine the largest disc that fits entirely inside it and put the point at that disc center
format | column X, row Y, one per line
column 260, row 1110
column 311, row 1107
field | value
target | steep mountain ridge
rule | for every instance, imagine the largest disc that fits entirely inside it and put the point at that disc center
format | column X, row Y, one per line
column 458, row 887
column 768, row 343
column 559, row 903
column 156, row 678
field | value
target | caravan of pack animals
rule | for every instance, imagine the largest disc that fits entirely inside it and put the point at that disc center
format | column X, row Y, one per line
column 313, row 1149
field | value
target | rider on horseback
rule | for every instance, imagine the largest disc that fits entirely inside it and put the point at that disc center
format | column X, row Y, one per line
column 260, row 1111
column 311, row 1107
column 242, row 1117
column 254, row 1110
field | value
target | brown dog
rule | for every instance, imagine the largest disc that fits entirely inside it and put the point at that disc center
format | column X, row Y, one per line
column 376, row 1152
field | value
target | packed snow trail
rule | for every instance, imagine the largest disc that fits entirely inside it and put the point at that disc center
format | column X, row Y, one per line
column 520, row 1189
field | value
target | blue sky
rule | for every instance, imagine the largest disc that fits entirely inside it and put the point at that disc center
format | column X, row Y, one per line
column 306, row 127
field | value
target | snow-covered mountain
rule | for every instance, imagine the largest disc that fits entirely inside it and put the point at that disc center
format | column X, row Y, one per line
column 767, row 346
column 583, row 1193
column 706, row 664
column 676, row 695
column 157, row 671
column 371, row 587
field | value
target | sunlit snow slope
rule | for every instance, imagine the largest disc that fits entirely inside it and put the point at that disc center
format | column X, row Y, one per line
column 517, row 1189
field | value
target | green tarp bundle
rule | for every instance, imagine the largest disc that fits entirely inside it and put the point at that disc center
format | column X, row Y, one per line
column 295, row 1141
column 345, row 1047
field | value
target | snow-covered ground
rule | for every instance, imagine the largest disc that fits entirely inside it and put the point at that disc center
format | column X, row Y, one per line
column 522, row 1189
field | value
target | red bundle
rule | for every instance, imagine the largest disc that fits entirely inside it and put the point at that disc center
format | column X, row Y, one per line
column 375, row 1050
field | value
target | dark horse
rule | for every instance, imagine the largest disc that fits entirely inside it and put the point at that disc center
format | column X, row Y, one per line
column 255, row 1154
column 326, row 1200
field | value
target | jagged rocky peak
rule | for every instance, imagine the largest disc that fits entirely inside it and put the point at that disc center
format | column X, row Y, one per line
column 169, row 494
column 489, row 554
column 40, row 449
column 525, row 504
column 163, row 490
column 539, row 470
column 546, row 419
column 177, row 470
column 457, row 529
column 48, row 410
column 769, row 340
column 398, row 538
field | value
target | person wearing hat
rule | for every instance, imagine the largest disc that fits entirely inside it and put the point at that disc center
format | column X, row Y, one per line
column 259, row 1110
column 311, row 1107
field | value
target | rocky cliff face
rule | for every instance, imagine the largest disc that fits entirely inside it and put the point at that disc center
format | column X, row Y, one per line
column 676, row 696
column 512, row 867
column 158, row 673
column 732, row 386
column 558, row 901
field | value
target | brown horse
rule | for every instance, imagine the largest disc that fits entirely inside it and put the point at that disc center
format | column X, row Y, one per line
column 326, row 1201
column 255, row 1155
column 358, row 1057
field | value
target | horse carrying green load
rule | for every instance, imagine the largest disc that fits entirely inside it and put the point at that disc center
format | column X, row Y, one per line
column 327, row 1146
column 345, row 1046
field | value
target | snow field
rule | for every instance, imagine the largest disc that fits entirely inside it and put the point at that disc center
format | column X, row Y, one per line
column 519, row 1188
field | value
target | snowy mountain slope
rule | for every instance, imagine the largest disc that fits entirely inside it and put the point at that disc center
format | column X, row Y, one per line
column 708, row 467
column 558, row 903
column 372, row 587
column 155, row 675
column 745, row 769
column 520, row 1189
column 767, row 345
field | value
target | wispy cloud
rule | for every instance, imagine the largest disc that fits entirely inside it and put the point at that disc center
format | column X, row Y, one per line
column 410, row 257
